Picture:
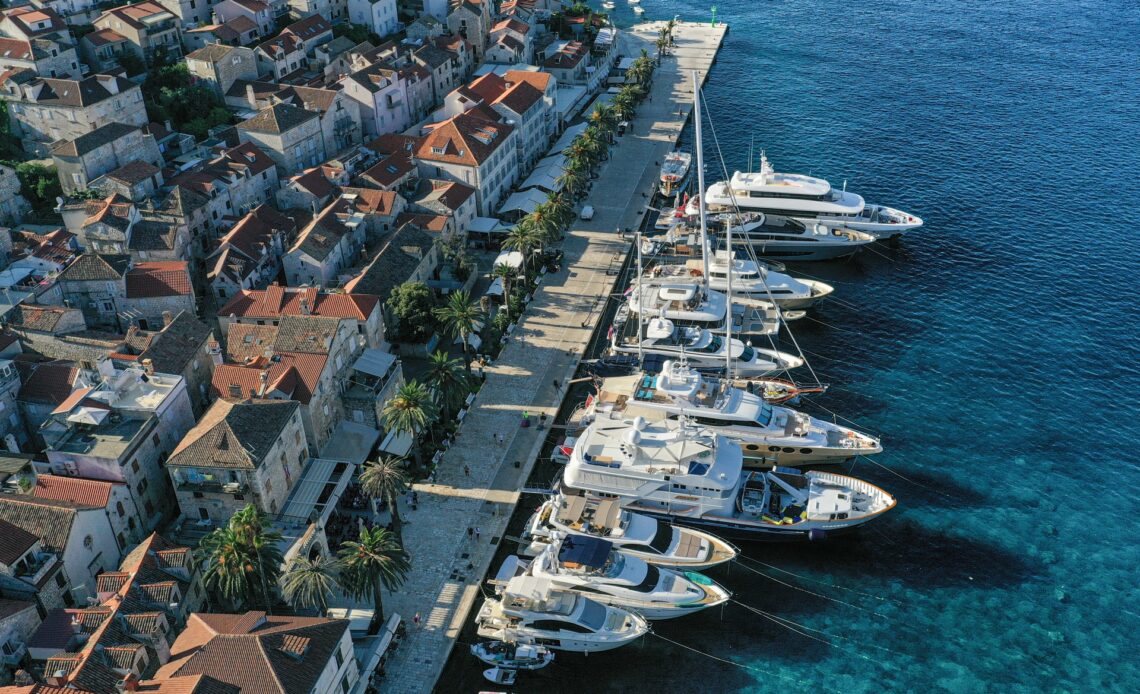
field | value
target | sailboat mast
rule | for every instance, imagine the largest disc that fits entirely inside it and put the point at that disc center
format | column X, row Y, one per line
column 640, row 303
column 700, row 173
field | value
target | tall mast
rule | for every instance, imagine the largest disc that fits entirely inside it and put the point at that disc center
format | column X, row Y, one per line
column 640, row 303
column 700, row 174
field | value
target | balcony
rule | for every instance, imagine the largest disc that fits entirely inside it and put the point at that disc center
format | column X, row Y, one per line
column 32, row 568
column 211, row 487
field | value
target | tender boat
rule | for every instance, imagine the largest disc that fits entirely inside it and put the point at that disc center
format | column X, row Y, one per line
column 703, row 349
column 532, row 611
column 692, row 476
column 593, row 567
column 674, row 171
column 778, row 390
column 654, row 542
column 807, row 197
column 637, row 9
column 512, row 656
column 768, row 434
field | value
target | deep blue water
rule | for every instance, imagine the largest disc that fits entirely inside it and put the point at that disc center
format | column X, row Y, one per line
column 995, row 351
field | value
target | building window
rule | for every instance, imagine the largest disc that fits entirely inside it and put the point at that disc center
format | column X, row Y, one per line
column 135, row 465
column 119, row 509
column 149, row 507
column 143, row 484
column 88, row 542
column 344, row 685
column 339, row 658
column 60, row 580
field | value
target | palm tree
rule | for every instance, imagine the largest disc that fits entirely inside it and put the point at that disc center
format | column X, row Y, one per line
column 604, row 118
column 545, row 222
column 572, row 181
column 625, row 103
column 310, row 582
column 447, row 377
column 461, row 317
column 560, row 208
column 252, row 528
column 411, row 410
column 524, row 238
column 507, row 274
column 373, row 562
column 226, row 560
column 669, row 27
column 578, row 155
column 662, row 43
column 385, row 479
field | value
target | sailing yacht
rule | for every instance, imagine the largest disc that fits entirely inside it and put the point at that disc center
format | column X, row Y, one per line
column 768, row 434
column 808, row 197
column 703, row 349
column 532, row 611
column 672, row 292
column 693, row 476
column 656, row 543
column 593, row 567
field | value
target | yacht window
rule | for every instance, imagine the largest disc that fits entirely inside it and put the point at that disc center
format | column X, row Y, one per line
column 747, row 354
column 652, row 578
column 593, row 615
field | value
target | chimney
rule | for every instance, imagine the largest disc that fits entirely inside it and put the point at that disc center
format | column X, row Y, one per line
column 304, row 300
column 130, row 682
column 263, row 377
column 250, row 96
column 215, row 350
column 167, row 317
column 148, row 367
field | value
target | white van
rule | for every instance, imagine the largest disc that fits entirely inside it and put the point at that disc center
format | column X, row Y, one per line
column 587, row 212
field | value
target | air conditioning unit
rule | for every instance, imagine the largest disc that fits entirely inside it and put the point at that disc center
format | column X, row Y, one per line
column 231, row 487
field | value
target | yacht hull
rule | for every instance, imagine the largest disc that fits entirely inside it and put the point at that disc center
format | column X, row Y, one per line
column 797, row 252
column 729, row 529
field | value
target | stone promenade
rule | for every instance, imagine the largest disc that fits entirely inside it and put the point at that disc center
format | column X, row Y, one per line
column 545, row 347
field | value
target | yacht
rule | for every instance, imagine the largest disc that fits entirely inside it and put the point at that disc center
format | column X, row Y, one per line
column 670, row 291
column 756, row 280
column 807, row 197
column 532, row 611
column 657, row 543
column 693, row 476
column 592, row 567
column 512, row 656
column 637, row 9
column 703, row 349
column 768, row 434
column 785, row 238
column 674, row 171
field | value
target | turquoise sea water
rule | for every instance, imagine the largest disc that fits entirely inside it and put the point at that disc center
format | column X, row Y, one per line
column 995, row 352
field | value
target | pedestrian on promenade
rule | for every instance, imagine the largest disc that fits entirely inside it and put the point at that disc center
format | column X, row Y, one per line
column 495, row 438
column 476, row 534
column 557, row 385
column 470, row 532
column 416, row 619
column 466, row 470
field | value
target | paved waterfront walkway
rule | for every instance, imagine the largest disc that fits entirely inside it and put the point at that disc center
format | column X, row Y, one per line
column 545, row 347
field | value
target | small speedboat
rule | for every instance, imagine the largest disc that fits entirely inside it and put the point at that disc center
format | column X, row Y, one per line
column 512, row 656
column 638, row 10
column 608, row 5
column 777, row 391
column 500, row 676
column 674, row 171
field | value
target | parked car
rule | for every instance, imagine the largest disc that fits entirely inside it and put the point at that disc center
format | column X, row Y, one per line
column 587, row 212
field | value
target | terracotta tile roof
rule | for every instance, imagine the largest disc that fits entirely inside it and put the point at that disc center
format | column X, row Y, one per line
column 318, row 239
column 48, row 382
column 36, row 317
column 134, row 172
column 86, row 92
column 172, row 348
column 444, row 197
column 74, row 489
column 427, row 222
column 310, row 98
column 512, row 24
column 538, row 80
column 568, row 57
column 159, row 278
column 370, row 201
column 520, row 98
column 306, row 334
column 254, row 232
column 395, row 262
column 187, row 684
column 465, row 139
column 89, row 142
column 391, row 143
column 277, row 119
column 249, row 341
column 9, row 608
column 233, row 434
column 291, row 375
column 277, row 301
column 47, row 519
column 310, row 27
column 14, row 542
column 255, row 652
column 245, row 156
column 390, row 170
column 313, row 180
column 15, row 49
column 96, row 267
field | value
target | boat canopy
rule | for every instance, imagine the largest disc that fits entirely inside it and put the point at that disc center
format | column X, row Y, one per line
column 587, row 551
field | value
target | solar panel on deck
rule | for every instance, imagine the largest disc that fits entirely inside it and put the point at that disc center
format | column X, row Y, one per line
column 587, row 551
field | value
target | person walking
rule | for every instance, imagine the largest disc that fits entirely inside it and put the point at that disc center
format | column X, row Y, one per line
column 476, row 534
column 466, row 470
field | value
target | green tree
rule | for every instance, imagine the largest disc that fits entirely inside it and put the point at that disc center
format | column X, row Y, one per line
column 411, row 304
column 545, row 221
column 449, row 380
column 310, row 582
column 40, row 185
column 460, row 316
column 507, row 274
column 386, row 479
column 560, row 208
column 604, row 117
column 411, row 410
column 252, row 528
column 374, row 562
column 524, row 238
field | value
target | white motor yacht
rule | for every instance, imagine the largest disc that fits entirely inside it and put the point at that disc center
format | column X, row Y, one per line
column 789, row 239
column 669, row 291
column 532, row 611
column 512, row 656
column 693, row 476
column 593, row 567
column 768, row 434
column 807, row 197
column 703, row 349
column 655, row 542
column 756, row 280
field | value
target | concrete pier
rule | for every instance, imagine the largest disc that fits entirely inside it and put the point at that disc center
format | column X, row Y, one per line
column 546, row 346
